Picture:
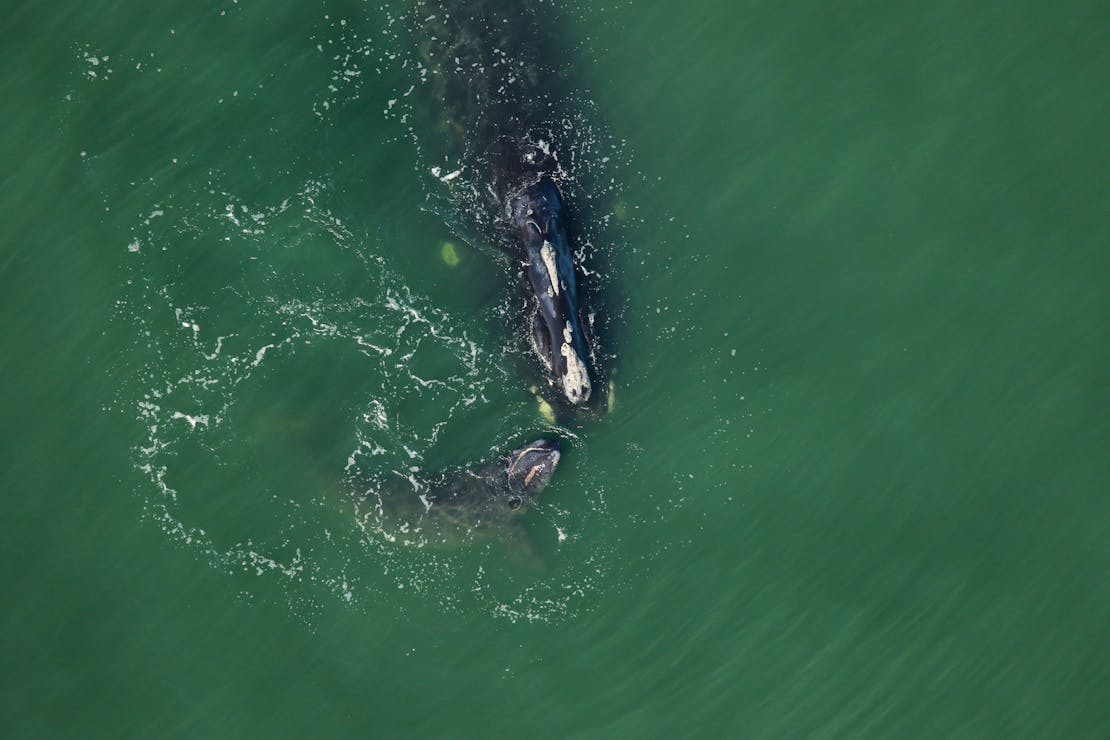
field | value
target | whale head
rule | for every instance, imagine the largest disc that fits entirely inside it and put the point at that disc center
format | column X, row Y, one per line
column 529, row 469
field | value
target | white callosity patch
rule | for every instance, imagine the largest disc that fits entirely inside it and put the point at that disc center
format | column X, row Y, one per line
column 576, row 381
column 548, row 254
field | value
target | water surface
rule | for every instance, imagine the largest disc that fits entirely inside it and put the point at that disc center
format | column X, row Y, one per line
column 854, row 480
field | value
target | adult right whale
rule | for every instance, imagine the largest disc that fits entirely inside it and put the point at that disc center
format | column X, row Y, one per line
column 495, row 76
column 558, row 336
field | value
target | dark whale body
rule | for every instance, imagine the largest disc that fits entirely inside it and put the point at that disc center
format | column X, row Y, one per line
column 486, row 499
column 494, row 75
column 558, row 336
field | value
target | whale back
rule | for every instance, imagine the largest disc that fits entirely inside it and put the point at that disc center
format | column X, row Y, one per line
column 496, row 81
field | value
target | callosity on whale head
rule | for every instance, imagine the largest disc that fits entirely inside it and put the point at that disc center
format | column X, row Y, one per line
column 529, row 469
column 558, row 335
column 489, row 498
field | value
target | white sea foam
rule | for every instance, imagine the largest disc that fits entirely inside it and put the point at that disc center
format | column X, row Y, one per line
column 201, row 419
column 195, row 396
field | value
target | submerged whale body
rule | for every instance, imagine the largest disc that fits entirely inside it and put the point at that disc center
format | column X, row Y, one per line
column 482, row 500
column 496, row 83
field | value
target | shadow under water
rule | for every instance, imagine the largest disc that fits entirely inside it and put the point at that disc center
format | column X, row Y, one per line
column 500, row 126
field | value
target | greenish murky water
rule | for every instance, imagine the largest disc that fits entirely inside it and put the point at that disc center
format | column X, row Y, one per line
column 854, row 268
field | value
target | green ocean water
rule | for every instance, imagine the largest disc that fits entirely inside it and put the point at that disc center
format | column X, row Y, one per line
column 854, row 483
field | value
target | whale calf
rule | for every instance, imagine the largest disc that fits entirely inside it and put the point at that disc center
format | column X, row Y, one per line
column 487, row 499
